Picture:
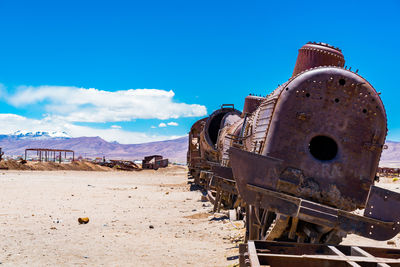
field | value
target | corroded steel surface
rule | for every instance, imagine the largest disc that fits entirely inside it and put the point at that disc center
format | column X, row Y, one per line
column 125, row 165
column 314, row 54
column 380, row 221
column 154, row 162
column 251, row 103
column 330, row 124
column 193, row 153
column 267, row 253
column 306, row 155
column 209, row 136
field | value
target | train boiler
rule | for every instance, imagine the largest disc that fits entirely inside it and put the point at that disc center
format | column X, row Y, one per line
column 304, row 158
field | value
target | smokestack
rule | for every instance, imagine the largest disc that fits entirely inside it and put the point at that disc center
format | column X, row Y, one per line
column 314, row 54
column 251, row 103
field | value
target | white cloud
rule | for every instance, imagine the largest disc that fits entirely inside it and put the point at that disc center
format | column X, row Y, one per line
column 153, row 127
column 172, row 123
column 75, row 104
column 11, row 123
column 65, row 105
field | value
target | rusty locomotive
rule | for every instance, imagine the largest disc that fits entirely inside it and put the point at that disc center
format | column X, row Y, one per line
column 301, row 160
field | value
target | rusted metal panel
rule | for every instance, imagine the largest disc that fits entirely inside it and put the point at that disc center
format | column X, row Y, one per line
column 206, row 179
column 125, row 165
column 258, row 182
column 254, row 261
column 306, row 155
column 225, row 191
column 313, row 55
column 270, row 253
column 226, row 139
column 261, row 124
column 383, row 205
column 333, row 155
column 154, row 162
column 251, row 103
column 251, row 168
column 194, row 159
column 225, row 172
column 209, row 136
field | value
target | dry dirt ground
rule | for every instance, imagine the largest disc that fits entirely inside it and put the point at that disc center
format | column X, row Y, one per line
column 147, row 218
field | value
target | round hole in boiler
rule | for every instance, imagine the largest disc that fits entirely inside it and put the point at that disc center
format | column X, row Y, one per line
column 323, row 148
column 342, row 82
column 364, row 110
column 307, row 95
column 337, row 100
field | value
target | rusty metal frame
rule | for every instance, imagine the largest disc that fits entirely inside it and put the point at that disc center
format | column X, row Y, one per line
column 272, row 253
column 48, row 154
column 260, row 184
column 304, row 157
column 159, row 162
column 225, row 189
column 125, row 165
column 222, row 182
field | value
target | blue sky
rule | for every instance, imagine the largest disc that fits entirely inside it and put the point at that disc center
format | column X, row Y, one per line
column 76, row 66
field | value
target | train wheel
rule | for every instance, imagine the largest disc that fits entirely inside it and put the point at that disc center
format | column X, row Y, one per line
column 258, row 222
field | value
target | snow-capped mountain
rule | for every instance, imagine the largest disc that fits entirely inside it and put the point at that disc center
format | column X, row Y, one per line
column 40, row 135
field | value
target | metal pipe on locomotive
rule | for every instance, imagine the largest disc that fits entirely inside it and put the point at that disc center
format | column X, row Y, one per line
column 303, row 158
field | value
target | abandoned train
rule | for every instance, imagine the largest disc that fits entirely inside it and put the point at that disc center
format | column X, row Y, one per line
column 303, row 158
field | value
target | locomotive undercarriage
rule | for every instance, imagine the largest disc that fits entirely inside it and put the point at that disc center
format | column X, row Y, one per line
column 270, row 226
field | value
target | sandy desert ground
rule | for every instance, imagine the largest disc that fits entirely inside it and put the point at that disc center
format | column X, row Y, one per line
column 147, row 218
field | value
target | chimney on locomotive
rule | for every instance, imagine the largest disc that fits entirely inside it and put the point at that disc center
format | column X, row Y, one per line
column 251, row 103
column 314, row 54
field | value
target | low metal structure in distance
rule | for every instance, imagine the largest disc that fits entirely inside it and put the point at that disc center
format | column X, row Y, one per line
column 154, row 162
column 47, row 154
column 124, row 165
column 388, row 172
column 272, row 253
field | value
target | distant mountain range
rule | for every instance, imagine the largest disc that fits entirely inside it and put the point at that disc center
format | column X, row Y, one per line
column 16, row 143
